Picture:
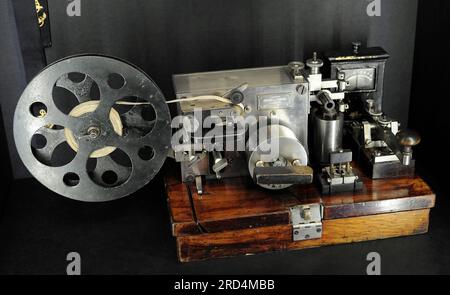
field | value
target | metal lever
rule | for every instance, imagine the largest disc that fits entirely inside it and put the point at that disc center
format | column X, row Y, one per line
column 283, row 175
column 194, row 160
column 219, row 163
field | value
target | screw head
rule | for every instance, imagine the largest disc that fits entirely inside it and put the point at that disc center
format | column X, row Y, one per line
column 301, row 89
column 259, row 164
column 296, row 163
column 93, row 132
column 237, row 97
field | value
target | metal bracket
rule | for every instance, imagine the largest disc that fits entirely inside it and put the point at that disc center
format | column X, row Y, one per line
column 306, row 222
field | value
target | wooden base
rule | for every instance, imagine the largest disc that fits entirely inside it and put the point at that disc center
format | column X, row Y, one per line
column 277, row 238
column 236, row 217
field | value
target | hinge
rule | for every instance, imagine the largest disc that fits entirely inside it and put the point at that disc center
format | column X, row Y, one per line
column 306, row 222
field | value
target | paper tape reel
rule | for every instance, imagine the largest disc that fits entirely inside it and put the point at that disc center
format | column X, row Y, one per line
column 92, row 128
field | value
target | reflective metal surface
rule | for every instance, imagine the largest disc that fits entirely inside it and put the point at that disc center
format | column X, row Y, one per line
column 327, row 137
column 285, row 149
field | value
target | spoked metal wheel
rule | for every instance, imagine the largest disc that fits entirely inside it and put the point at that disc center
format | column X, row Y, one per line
column 92, row 128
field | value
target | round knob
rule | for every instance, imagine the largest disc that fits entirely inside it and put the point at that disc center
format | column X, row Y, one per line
column 408, row 138
column 296, row 67
column 314, row 64
column 314, row 61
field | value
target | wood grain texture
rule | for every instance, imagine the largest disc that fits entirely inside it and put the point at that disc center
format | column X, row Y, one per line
column 237, row 197
column 236, row 217
column 179, row 203
column 277, row 238
column 237, row 203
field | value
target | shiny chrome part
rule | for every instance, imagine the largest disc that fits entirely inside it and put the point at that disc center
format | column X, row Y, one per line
column 327, row 136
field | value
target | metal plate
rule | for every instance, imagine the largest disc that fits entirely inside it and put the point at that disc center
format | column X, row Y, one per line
column 144, row 142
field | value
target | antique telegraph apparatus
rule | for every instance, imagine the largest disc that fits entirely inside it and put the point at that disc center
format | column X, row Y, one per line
column 281, row 126
column 301, row 101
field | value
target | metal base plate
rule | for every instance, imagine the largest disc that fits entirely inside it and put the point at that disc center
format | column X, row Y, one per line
column 328, row 189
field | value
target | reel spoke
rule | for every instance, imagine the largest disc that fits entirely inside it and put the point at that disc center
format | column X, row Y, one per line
column 141, row 127
column 53, row 137
column 108, row 98
column 81, row 90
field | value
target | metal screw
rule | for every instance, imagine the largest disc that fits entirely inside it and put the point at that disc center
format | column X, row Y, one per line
column 301, row 89
column 93, row 132
column 296, row 163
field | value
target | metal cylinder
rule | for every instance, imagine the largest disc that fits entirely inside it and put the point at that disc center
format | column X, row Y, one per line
column 274, row 145
column 327, row 136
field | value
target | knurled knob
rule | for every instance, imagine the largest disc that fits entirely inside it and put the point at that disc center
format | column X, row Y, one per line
column 314, row 62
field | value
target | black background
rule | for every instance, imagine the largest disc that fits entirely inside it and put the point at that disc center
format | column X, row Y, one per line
column 165, row 37
column 38, row 228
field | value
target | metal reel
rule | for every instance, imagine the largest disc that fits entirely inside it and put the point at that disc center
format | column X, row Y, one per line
column 92, row 128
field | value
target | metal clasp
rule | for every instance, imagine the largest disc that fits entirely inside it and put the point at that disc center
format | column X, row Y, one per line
column 306, row 222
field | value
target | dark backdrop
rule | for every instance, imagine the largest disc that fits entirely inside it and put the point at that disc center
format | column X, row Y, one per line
column 20, row 59
column 132, row 235
column 430, row 96
column 164, row 37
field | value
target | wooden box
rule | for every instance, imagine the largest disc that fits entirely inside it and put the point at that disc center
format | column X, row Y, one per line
column 236, row 217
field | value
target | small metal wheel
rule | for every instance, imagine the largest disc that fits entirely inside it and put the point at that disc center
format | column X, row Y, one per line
column 92, row 128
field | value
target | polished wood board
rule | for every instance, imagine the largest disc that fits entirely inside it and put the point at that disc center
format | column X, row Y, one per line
column 236, row 217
